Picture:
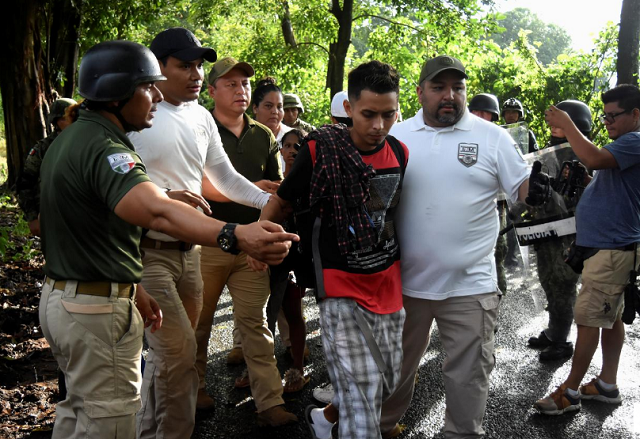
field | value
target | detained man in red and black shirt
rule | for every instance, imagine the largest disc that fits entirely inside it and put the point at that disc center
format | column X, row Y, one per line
column 351, row 179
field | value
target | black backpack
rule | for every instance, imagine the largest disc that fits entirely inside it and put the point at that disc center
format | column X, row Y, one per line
column 307, row 224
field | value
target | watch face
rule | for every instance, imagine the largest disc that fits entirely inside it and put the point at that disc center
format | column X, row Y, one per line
column 224, row 243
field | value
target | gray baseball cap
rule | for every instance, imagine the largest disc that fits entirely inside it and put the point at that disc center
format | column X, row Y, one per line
column 439, row 64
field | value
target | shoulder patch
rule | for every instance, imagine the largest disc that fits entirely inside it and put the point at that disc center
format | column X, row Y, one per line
column 32, row 152
column 121, row 163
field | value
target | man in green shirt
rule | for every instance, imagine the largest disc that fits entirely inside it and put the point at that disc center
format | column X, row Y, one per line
column 96, row 196
column 253, row 151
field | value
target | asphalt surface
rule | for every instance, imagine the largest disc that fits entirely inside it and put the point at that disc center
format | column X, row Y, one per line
column 518, row 379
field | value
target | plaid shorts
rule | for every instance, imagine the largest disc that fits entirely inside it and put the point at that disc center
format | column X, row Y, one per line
column 360, row 387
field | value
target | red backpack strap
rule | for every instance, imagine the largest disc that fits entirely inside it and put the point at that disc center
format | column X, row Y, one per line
column 312, row 151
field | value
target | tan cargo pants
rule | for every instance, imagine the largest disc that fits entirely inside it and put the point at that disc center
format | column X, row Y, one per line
column 249, row 291
column 466, row 325
column 97, row 342
column 170, row 381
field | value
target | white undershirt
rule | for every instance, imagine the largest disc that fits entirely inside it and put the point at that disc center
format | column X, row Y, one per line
column 181, row 146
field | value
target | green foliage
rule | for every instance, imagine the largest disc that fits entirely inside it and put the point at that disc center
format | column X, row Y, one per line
column 523, row 57
column 516, row 72
column 15, row 239
column 550, row 39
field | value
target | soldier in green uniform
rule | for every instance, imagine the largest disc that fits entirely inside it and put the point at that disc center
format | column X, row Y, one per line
column 557, row 278
column 96, row 197
column 28, row 186
column 293, row 108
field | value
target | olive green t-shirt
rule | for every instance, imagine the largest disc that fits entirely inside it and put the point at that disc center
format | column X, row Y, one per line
column 255, row 155
column 86, row 172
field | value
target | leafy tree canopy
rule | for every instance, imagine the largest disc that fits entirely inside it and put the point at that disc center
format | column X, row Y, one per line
column 550, row 39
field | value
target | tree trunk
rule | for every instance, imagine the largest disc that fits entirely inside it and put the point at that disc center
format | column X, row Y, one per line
column 628, row 41
column 25, row 95
column 63, row 45
column 338, row 49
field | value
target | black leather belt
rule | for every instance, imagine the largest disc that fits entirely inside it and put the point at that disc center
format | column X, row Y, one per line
column 627, row 248
column 165, row 245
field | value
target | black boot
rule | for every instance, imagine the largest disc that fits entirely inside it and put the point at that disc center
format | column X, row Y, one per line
column 561, row 350
column 541, row 341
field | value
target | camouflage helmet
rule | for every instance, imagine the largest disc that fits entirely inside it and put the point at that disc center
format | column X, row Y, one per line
column 514, row 105
column 579, row 113
column 486, row 102
column 111, row 71
column 292, row 101
column 56, row 111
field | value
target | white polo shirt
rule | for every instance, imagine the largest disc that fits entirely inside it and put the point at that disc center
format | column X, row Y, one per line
column 447, row 223
column 176, row 149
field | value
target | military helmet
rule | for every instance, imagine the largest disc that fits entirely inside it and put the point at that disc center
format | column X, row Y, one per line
column 111, row 71
column 292, row 101
column 513, row 104
column 486, row 102
column 579, row 113
column 56, row 111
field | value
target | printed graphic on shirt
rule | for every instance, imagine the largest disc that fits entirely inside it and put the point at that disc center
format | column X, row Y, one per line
column 121, row 163
column 468, row 154
column 383, row 193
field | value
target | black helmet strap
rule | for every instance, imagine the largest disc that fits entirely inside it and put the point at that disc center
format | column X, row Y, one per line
column 117, row 112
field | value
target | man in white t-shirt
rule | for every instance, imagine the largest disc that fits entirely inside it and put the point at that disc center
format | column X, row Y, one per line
column 183, row 145
column 447, row 226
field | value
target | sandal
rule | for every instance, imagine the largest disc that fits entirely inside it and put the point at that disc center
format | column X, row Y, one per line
column 294, row 381
column 243, row 380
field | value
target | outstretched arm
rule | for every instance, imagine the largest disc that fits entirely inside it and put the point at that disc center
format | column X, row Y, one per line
column 226, row 184
column 146, row 205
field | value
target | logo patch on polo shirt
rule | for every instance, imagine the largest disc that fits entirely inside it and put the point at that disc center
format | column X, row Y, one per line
column 121, row 163
column 468, row 154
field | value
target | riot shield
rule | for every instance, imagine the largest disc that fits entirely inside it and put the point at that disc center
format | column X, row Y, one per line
column 519, row 131
column 555, row 218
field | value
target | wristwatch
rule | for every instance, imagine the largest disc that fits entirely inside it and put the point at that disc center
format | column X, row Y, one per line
column 227, row 239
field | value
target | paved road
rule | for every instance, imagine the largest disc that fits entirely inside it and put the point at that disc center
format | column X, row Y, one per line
column 517, row 381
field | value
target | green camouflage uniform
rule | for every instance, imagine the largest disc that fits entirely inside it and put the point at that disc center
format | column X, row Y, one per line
column 556, row 277
column 559, row 283
column 304, row 126
column 501, row 248
column 28, row 186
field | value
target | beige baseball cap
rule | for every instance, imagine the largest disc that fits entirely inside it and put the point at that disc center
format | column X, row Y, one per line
column 225, row 65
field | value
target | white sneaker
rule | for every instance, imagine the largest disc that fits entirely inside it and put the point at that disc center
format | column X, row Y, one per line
column 324, row 394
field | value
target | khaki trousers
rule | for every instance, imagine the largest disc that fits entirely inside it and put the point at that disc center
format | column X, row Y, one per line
column 170, row 381
column 97, row 342
column 466, row 327
column 249, row 291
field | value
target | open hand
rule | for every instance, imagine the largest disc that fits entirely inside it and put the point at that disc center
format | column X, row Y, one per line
column 191, row 198
column 268, row 186
column 149, row 309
